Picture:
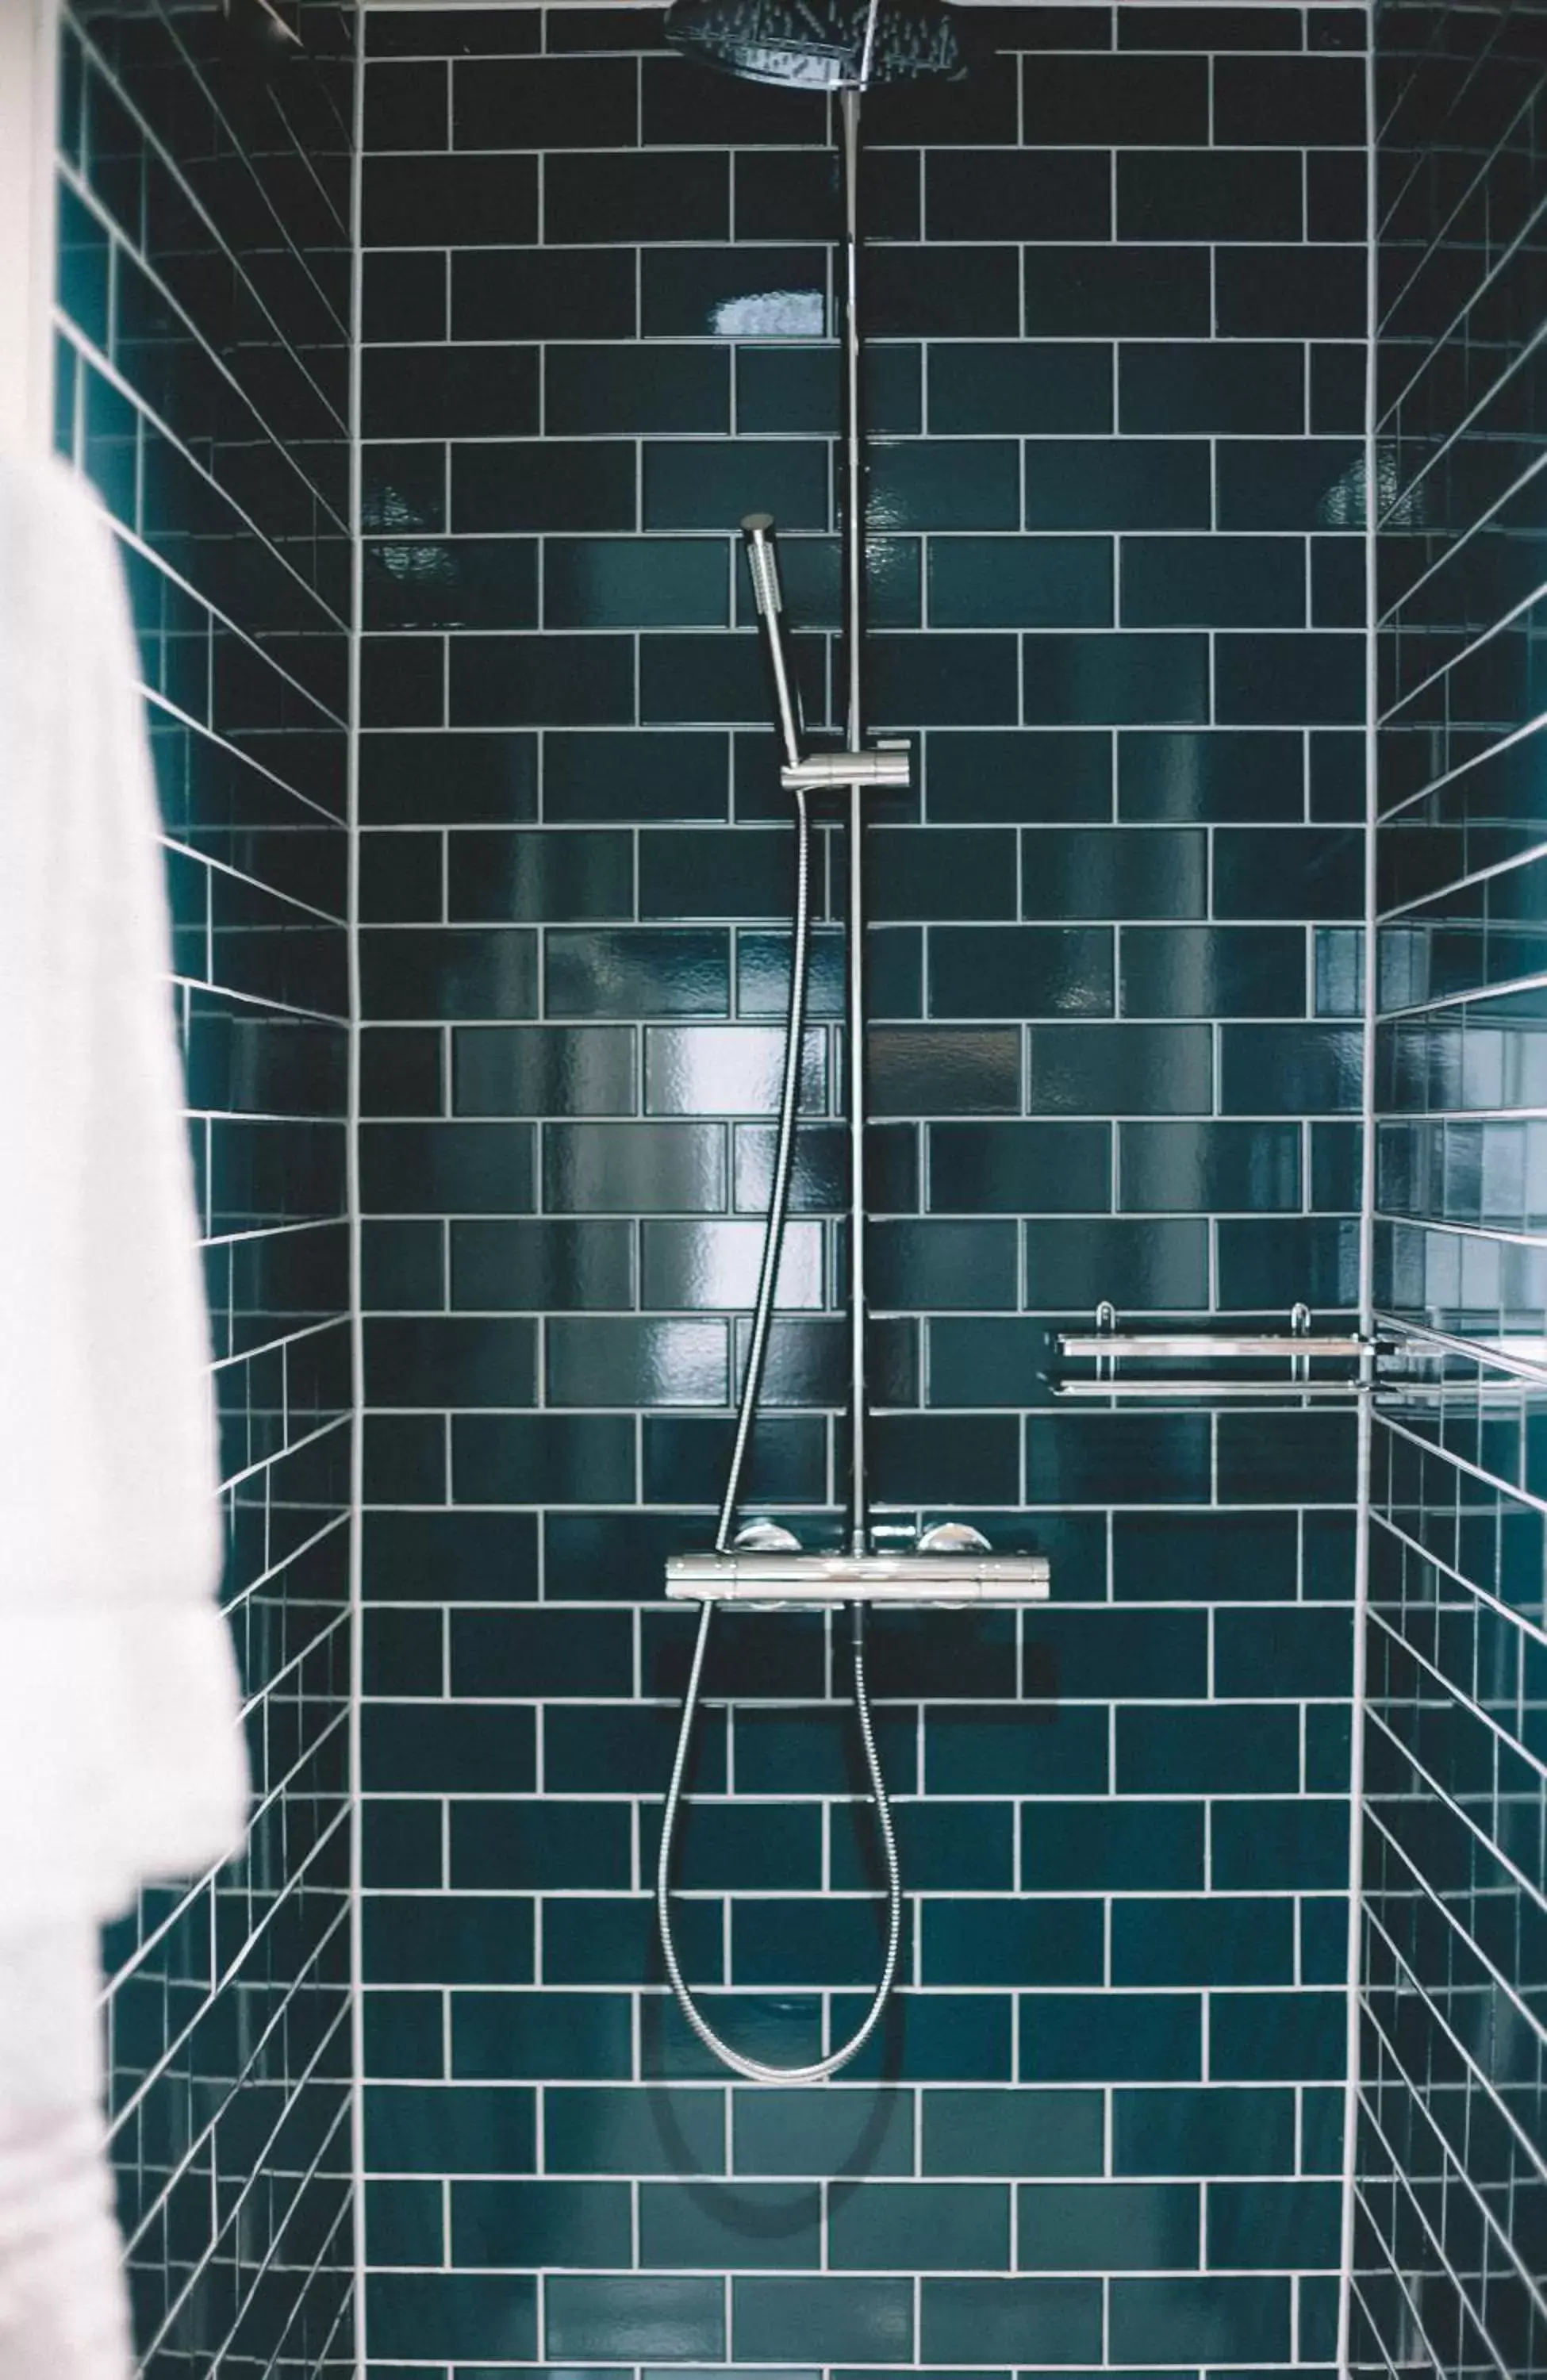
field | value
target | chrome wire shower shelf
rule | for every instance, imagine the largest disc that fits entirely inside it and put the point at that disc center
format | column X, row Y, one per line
column 798, row 1580
column 1107, row 1346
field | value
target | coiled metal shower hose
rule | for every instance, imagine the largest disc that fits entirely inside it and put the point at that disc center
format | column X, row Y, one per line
column 755, row 2068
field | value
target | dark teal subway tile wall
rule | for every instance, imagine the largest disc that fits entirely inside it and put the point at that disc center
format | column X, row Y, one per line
column 1113, row 558
column 203, row 380
column 1453, row 2132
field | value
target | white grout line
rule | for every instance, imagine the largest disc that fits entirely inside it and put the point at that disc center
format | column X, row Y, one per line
column 356, row 1296
column 1363, row 1523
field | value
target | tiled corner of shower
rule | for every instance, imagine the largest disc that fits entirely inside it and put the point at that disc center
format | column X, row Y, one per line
column 204, row 386
column 1116, row 593
column 1453, row 2128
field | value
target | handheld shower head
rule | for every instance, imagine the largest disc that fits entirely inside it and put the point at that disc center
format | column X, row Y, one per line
column 762, row 564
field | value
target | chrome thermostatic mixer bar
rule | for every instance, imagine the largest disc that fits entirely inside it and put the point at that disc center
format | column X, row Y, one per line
column 952, row 1578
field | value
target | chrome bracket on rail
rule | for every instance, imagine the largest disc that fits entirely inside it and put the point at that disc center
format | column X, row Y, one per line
column 890, row 764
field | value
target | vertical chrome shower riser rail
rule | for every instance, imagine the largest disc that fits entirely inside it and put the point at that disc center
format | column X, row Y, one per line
column 854, row 598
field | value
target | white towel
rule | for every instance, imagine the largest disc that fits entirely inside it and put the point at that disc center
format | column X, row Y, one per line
column 64, row 2308
column 121, row 1756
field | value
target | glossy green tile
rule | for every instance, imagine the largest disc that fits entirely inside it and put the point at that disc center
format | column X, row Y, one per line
column 629, row 2315
column 1237, row 1748
column 561, row 1458
column 582, row 294
column 660, row 196
column 411, row 1167
column 1214, row 582
column 1112, row 1846
column 1019, row 971
column 1056, row 2321
column 1213, row 777
column 919, row 2227
column 1010, row 194
column 592, row 391
column 1221, row 1939
column 1019, row 582
column 1114, row 1069
column 1208, row 1168
column 1286, row 483
column 566, row 2223
column 519, row 680
column 1107, row 2227
column 1116, row 483
column 1260, row 2036
column 1013, row 1168
column 1289, row 1069
column 1271, row 1264
column 728, row 293
column 1230, row 194
column 538, row 2036
column 1273, row 2224
column 988, row 1941
column 946, row 1458
column 765, row 2226
column 1107, row 872
column 519, row 1847
column 455, row 391
column 1315, row 867
column 1202, row 2131
column 1311, row 1655
column 1121, row 680
column 480, row 779
column 401, row 1841
column 1156, row 1265
column 403, row 2034
column 1318, row 99
column 700, row 484
column 451, row 2128
column 1012, row 2132
column 1313, row 292
column 1212, row 971
column 1109, row 101
column 1026, row 389
column 1104, row 2035
column 446, row 201
column 941, row 483
column 545, row 104
column 634, row 582
column 1174, row 2318
column 1286, row 1458
column 441, row 1360
column 998, row 1750
column 944, row 292
column 807, row 2131
column 1239, row 388
column 1317, row 677
column 1118, row 292
column 537, row 484
column 867, row 2320
column 469, row 2314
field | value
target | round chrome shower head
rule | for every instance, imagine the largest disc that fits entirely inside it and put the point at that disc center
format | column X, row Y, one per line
column 822, row 44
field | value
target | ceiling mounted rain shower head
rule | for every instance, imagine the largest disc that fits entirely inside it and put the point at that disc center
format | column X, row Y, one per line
column 822, row 44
